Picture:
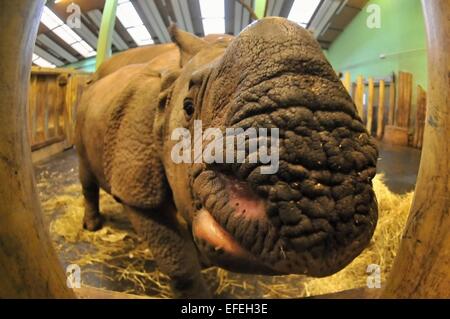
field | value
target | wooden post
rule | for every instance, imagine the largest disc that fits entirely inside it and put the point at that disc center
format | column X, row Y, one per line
column 29, row 266
column 31, row 110
column 420, row 116
column 380, row 115
column 359, row 95
column 370, row 106
column 347, row 82
column 421, row 268
column 404, row 99
column 392, row 100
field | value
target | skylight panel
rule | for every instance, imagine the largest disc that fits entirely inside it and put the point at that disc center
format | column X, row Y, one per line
column 128, row 15
column 214, row 26
column 57, row 26
column 140, row 35
column 302, row 11
column 50, row 19
column 83, row 48
column 42, row 62
column 63, row 31
column 212, row 8
column 132, row 22
column 213, row 16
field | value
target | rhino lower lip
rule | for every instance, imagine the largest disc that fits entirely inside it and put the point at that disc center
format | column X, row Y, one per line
column 224, row 249
column 232, row 205
column 205, row 227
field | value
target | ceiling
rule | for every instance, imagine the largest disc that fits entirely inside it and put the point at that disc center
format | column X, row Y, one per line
column 142, row 22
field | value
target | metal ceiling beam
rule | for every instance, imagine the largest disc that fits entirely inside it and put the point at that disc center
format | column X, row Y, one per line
column 117, row 41
column 277, row 6
column 196, row 17
column 187, row 14
column 47, row 56
column 321, row 19
column 178, row 14
column 286, row 8
column 153, row 17
column 229, row 16
column 56, row 48
column 269, row 8
column 86, row 35
column 237, row 18
column 245, row 14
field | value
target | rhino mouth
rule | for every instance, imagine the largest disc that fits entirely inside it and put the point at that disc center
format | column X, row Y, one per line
column 314, row 216
column 240, row 230
column 223, row 249
column 231, row 223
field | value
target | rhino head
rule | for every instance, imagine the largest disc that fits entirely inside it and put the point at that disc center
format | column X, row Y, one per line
column 318, row 211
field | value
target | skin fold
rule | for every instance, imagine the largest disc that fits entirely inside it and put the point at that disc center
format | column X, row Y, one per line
column 312, row 217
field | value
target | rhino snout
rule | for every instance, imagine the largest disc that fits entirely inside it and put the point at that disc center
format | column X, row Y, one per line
column 318, row 211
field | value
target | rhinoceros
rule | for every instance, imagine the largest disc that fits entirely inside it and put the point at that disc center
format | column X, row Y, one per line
column 312, row 216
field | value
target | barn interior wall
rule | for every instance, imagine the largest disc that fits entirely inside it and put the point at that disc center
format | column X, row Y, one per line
column 401, row 38
column 86, row 65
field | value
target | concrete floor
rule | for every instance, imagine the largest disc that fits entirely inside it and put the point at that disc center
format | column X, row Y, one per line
column 399, row 165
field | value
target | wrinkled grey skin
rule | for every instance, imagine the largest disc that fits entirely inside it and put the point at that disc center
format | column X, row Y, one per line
column 312, row 217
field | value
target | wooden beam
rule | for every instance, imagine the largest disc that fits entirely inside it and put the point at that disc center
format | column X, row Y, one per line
column 347, row 82
column 359, row 95
column 29, row 266
column 404, row 99
column 421, row 268
column 392, row 100
column 370, row 105
column 420, row 116
column 380, row 115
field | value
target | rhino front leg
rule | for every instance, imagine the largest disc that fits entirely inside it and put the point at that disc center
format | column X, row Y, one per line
column 173, row 249
column 92, row 219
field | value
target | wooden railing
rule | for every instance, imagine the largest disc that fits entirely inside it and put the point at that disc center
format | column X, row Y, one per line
column 52, row 100
column 385, row 107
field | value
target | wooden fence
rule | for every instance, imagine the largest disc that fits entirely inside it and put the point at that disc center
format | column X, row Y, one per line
column 385, row 107
column 52, row 100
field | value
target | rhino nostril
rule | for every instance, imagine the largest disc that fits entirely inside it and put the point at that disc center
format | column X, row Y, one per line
column 296, row 185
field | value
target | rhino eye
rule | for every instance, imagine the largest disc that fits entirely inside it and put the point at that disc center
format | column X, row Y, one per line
column 188, row 106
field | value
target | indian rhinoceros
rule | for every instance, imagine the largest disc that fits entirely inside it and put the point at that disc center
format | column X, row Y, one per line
column 313, row 216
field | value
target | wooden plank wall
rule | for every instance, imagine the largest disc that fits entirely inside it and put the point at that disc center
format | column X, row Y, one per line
column 403, row 109
column 388, row 101
column 420, row 117
column 52, row 100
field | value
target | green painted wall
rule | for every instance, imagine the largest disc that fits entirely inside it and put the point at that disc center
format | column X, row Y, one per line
column 87, row 65
column 402, row 38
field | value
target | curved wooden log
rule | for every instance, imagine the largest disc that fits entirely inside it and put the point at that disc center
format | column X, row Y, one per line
column 29, row 266
column 422, row 266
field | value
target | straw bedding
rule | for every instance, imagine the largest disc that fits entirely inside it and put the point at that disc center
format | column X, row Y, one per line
column 114, row 254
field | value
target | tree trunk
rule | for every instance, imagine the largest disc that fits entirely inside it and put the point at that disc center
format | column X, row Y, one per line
column 29, row 267
column 422, row 265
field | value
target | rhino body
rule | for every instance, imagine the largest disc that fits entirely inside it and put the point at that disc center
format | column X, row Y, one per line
column 312, row 217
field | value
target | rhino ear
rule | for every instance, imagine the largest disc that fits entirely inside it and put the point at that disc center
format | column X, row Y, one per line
column 188, row 43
